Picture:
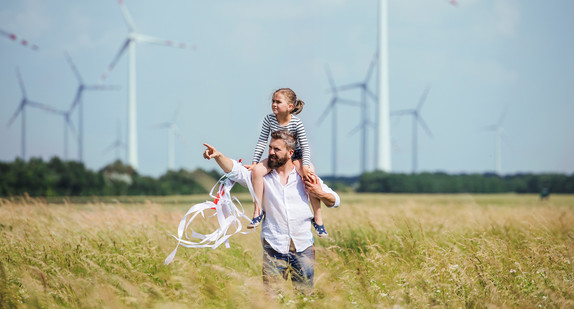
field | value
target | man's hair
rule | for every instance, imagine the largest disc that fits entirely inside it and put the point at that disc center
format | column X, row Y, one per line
column 286, row 136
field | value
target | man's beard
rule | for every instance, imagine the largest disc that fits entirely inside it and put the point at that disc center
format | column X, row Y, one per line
column 276, row 162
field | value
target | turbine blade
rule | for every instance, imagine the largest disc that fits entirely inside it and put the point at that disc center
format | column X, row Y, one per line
column 350, row 86
column 18, row 110
column 164, row 42
column 45, row 107
column 176, row 112
column 371, row 68
column 502, row 116
column 21, row 83
column 71, row 125
column 127, row 16
column 423, row 98
column 349, row 102
column 179, row 135
column 74, row 69
column 77, row 99
column 109, row 148
column 403, row 112
column 356, row 129
column 424, row 125
column 21, row 41
column 326, row 111
column 113, row 64
column 102, row 87
column 162, row 125
column 330, row 78
column 491, row 127
column 371, row 94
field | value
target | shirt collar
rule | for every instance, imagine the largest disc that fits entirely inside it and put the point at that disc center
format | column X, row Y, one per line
column 275, row 174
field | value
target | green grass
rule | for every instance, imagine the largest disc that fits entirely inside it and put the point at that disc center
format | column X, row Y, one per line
column 411, row 251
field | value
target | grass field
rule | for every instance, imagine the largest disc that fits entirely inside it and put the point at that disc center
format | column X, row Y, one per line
column 402, row 251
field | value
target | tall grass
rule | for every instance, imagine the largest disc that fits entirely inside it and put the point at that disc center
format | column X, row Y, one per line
column 412, row 251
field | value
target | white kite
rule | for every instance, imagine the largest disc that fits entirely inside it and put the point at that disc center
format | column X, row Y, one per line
column 228, row 215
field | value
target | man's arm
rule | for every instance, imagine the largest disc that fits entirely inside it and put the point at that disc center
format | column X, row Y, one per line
column 224, row 162
column 314, row 188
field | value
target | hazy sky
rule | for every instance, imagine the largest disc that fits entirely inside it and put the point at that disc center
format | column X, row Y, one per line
column 479, row 58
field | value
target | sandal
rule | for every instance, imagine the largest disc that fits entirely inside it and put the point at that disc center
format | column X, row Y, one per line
column 321, row 232
column 255, row 221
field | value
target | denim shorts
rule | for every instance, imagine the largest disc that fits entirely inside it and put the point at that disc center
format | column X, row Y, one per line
column 300, row 266
column 297, row 155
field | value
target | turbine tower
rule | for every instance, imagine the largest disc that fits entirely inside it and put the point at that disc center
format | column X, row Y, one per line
column 79, row 103
column 497, row 128
column 173, row 131
column 417, row 120
column 21, row 110
column 21, row 41
column 129, row 44
column 383, row 130
column 365, row 94
column 332, row 107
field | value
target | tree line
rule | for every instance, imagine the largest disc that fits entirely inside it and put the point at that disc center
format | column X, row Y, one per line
column 464, row 183
column 70, row 178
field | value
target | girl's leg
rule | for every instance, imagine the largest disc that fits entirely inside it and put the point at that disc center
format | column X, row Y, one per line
column 259, row 171
column 315, row 202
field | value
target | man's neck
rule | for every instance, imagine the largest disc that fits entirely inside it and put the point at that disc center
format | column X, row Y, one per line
column 284, row 171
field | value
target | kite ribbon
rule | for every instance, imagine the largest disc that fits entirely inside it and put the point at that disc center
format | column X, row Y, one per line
column 228, row 215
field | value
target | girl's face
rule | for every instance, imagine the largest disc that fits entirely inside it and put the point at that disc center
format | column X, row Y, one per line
column 279, row 104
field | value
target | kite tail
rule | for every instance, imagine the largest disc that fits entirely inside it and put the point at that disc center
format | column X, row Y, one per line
column 228, row 210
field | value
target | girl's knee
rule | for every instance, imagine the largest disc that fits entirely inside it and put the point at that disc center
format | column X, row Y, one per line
column 260, row 170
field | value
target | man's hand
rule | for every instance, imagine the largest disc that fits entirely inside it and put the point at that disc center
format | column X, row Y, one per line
column 313, row 186
column 251, row 166
column 307, row 174
column 225, row 163
column 314, row 189
column 210, row 152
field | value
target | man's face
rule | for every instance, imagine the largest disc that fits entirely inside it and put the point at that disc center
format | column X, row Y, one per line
column 278, row 153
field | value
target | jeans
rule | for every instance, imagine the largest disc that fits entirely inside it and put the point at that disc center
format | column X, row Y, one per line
column 300, row 266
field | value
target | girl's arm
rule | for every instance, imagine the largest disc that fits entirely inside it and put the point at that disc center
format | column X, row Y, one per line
column 262, row 142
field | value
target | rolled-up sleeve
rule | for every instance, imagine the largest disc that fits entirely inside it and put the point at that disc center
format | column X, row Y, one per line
column 329, row 190
column 240, row 174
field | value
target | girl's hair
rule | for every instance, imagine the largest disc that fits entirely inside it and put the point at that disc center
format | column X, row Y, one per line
column 292, row 99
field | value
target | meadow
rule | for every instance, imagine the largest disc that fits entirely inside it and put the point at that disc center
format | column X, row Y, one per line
column 384, row 251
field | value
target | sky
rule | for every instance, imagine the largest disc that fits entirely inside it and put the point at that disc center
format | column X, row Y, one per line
column 480, row 60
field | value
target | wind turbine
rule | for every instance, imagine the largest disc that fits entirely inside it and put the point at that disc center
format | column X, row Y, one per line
column 117, row 144
column 332, row 107
column 497, row 128
column 21, row 110
column 383, row 130
column 67, row 123
column 365, row 93
column 79, row 103
column 173, row 131
column 129, row 44
column 21, row 41
column 417, row 120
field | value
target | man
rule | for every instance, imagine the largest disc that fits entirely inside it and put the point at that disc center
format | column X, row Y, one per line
column 286, row 230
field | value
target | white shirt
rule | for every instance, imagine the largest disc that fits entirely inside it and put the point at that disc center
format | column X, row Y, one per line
column 287, row 212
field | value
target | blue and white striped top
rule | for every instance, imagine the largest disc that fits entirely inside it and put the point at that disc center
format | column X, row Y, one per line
column 295, row 126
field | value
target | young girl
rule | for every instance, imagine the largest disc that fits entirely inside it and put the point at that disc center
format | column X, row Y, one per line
column 285, row 106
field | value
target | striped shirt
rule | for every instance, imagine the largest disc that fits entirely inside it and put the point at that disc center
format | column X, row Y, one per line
column 295, row 126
